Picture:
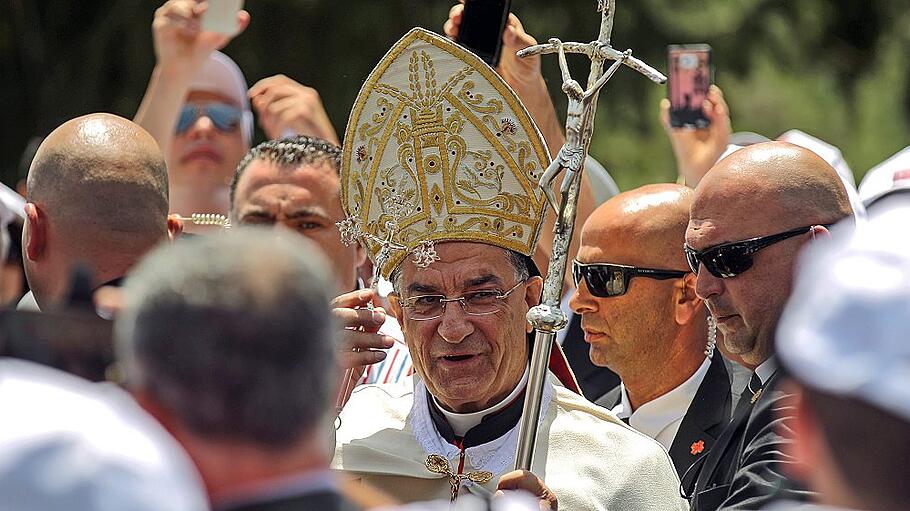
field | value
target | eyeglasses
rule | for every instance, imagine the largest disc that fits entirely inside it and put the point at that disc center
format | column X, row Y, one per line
column 730, row 259
column 475, row 303
column 605, row 280
column 224, row 117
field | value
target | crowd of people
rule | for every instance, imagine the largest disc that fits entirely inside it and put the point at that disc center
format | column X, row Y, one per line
column 341, row 323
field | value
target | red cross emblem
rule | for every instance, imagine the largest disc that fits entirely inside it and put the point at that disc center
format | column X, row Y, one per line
column 697, row 447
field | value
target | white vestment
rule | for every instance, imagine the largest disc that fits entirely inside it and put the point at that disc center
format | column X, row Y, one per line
column 588, row 457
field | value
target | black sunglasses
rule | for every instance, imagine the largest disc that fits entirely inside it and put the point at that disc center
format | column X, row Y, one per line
column 605, row 280
column 730, row 259
column 226, row 118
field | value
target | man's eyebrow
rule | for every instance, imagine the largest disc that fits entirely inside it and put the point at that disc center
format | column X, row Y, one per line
column 256, row 213
column 488, row 278
column 306, row 212
column 418, row 288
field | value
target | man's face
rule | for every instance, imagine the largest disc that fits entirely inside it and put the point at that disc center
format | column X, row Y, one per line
column 468, row 362
column 203, row 154
column 304, row 199
column 748, row 305
column 626, row 332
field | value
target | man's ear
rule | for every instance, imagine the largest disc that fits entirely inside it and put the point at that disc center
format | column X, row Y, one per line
column 686, row 303
column 533, row 292
column 34, row 233
column 361, row 256
column 819, row 232
column 174, row 227
column 395, row 309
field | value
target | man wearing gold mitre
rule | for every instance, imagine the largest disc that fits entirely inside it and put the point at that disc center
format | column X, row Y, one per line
column 439, row 176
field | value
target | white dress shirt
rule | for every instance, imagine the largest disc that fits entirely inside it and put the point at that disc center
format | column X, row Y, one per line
column 766, row 369
column 660, row 418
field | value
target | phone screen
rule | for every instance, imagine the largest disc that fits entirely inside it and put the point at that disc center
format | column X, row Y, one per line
column 482, row 26
column 690, row 76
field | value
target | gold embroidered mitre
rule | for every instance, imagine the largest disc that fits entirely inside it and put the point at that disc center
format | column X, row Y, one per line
column 439, row 148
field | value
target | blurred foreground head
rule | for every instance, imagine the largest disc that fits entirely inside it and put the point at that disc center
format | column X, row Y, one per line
column 69, row 444
column 97, row 197
column 228, row 340
column 843, row 338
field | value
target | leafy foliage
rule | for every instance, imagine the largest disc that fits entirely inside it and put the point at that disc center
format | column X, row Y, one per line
column 833, row 68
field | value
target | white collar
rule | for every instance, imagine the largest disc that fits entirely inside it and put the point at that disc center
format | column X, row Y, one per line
column 462, row 422
column 652, row 417
column 496, row 456
column 766, row 369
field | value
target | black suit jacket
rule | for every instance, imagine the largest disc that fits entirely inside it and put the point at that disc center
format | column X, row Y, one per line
column 704, row 421
column 594, row 381
column 746, row 467
column 322, row 500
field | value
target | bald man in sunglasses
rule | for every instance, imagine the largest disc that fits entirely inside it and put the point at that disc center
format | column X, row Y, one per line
column 641, row 316
column 750, row 216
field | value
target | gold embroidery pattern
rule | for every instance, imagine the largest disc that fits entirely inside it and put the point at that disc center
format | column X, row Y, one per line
column 436, row 129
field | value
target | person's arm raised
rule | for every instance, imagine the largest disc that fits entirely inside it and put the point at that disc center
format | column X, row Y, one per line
column 286, row 108
column 697, row 150
column 181, row 47
column 526, row 79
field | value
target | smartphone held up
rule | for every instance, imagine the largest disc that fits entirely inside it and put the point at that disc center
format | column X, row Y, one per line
column 482, row 25
column 221, row 16
column 690, row 74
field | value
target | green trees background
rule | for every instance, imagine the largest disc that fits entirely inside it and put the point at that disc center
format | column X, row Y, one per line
column 837, row 69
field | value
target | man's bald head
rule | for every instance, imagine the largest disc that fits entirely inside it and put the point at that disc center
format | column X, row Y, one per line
column 652, row 219
column 101, row 172
column 97, row 197
column 776, row 181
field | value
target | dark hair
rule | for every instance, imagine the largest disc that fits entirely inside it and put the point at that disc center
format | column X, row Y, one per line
column 870, row 446
column 289, row 152
column 233, row 335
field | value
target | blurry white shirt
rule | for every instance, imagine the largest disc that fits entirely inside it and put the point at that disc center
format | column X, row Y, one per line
column 67, row 444
column 661, row 417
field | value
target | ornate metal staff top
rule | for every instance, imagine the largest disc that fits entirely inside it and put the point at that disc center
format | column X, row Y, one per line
column 547, row 318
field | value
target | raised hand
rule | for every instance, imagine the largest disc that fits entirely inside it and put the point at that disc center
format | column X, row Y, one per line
column 285, row 107
column 178, row 37
column 697, row 150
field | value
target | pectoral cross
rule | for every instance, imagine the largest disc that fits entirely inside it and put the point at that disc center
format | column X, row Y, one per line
column 440, row 465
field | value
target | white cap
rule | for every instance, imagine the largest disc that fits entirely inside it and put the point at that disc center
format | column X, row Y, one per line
column 221, row 75
column 891, row 173
column 66, row 443
column 846, row 328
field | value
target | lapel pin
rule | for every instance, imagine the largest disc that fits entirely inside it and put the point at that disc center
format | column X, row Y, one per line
column 697, row 447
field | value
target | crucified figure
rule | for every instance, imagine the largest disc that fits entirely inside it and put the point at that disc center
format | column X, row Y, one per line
column 578, row 121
